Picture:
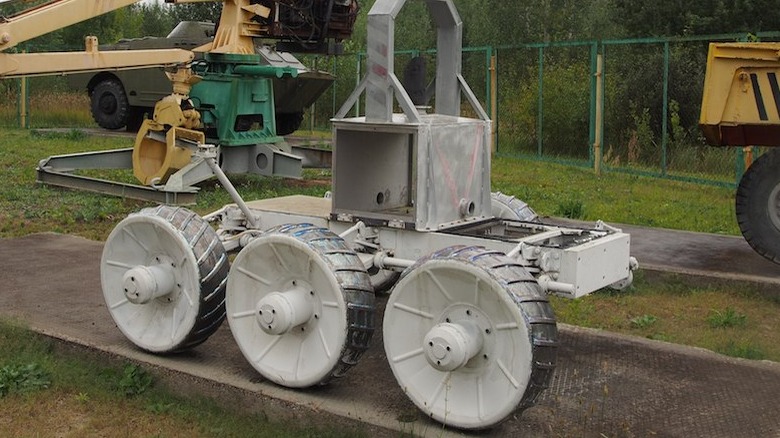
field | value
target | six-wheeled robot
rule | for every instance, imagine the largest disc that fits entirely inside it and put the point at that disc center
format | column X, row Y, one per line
column 468, row 331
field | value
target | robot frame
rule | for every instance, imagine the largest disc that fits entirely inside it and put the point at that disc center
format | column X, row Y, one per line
column 468, row 329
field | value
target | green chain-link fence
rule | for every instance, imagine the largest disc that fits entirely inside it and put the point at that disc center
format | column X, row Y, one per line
column 546, row 102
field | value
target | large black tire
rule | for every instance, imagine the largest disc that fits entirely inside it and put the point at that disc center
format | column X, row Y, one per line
column 110, row 107
column 288, row 123
column 201, row 265
column 758, row 205
column 135, row 118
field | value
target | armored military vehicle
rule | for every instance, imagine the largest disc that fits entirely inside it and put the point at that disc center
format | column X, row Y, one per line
column 123, row 98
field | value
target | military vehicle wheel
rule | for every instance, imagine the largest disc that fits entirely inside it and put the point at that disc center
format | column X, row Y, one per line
column 300, row 305
column 110, row 107
column 470, row 336
column 509, row 207
column 758, row 205
column 135, row 117
column 163, row 272
column 288, row 123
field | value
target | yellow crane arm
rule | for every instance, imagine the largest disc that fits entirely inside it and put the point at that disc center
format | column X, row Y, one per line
column 57, row 14
column 35, row 64
column 51, row 16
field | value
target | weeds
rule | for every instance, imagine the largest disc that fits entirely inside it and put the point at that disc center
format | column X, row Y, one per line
column 643, row 321
column 18, row 379
column 726, row 318
column 135, row 380
column 571, row 208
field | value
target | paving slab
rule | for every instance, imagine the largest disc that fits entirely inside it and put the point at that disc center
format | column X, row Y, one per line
column 605, row 384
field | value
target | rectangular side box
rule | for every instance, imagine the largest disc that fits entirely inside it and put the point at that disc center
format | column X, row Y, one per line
column 424, row 176
column 596, row 264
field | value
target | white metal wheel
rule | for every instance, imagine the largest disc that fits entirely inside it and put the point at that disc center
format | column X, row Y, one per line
column 470, row 336
column 163, row 273
column 300, row 305
column 508, row 207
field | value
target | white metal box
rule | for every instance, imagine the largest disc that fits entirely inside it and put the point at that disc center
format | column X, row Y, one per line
column 423, row 176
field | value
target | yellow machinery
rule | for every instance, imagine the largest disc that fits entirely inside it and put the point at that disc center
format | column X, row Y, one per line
column 741, row 107
column 222, row 92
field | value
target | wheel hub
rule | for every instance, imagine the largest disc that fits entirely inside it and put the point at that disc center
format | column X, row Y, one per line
column 279, row 312
column 143, row 284
column 774, row 206
column 108, row 103
column 449, row 346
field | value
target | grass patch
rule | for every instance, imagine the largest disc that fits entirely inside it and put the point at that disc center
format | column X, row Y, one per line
column 27, row 207
column 679, row 309
column 570, row 208
column 65, row 394
column 550, row 189
column 617, row 197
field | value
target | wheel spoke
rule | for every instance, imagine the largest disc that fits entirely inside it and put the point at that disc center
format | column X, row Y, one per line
column 186, row 293
column 253, row 276
column 116, row 264
column 299, row 360
column 408, row 355
column 174, row 324
column 508, row 374
column 413, row 311
column 439, row 286
column 439, row 389
column 267, row 349
column 239, row 315
column 281, row 259
column 136, row 240
column 119, row 304
column 480, row 398
column 324, row 342
column 507, row 326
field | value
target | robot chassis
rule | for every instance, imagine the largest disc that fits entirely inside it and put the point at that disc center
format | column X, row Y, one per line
column 468, row 330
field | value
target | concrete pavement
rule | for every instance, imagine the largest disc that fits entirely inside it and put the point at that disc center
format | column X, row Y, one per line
column 604, row 383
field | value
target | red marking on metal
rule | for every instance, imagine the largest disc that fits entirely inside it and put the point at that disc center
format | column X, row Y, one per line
column 379, row 70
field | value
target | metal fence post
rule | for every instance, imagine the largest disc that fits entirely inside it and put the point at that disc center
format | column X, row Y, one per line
column 593, row 101
column 540, row 115
column 665, row 112
column 598, row 134
column 493, row 99
column 357, row 82
column 334, row 71
column 24, row 120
